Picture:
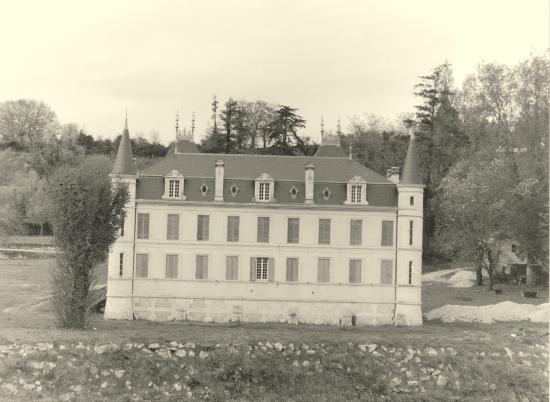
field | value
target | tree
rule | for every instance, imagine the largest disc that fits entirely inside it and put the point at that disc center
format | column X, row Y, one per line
column 37, row 209
column 86, row 214
column 377, row 143
column 473, row 197
column 24, row 123
column 283, row 130
column 228, row 117
column 49, row 154
column 258, row 116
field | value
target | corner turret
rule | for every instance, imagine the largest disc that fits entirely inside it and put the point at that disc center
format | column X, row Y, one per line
column 124, row 163
column 411, row 168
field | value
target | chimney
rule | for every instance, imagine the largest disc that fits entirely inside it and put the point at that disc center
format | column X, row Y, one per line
column 392, row 174
column 309, row 182
column 218, row 190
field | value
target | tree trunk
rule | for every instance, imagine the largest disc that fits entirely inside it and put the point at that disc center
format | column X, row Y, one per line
column 41, row 229
column 490, row 266
column 479, row 274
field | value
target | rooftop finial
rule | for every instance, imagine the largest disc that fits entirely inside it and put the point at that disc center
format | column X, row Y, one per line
column 350, row 148
column 126, row 120
column 215, row 113
column 177, row 123
column 193, row 125
column 338, row 127
column 322, row 127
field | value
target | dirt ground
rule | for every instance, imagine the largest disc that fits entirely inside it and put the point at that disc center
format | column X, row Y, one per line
column 26, row 315
column 26, row 318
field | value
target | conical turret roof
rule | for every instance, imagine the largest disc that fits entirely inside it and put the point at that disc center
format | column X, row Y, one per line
column 411, row 168
column 124, row 163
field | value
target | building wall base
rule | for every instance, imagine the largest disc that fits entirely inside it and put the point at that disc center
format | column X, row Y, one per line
column 210, row 310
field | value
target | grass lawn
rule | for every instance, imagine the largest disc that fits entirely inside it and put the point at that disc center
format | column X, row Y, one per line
column 475, row 362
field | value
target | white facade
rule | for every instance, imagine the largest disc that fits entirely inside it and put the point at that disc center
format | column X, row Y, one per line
column 182, row 256
column 306, row 300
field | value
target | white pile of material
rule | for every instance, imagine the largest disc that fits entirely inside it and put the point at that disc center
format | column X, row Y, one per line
column 505, row 311
column 540, row 314
column 463, row 279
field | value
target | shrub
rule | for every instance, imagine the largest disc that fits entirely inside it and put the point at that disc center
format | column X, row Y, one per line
column 86, row 213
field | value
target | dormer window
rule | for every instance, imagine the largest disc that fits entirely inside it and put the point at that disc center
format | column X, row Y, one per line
column 356, row 194
column 357, row 191
column 173, row 186
column 263, row 195
column 264, row 188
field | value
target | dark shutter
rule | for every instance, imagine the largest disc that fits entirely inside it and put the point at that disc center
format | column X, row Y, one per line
column 271, row 270
column 252, row 268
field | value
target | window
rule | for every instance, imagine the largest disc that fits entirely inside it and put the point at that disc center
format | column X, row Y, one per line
column 324, row 231
column 354, row 271
column 326, row 194
column 263, row 229
column 411, row 201
column 233, row 190
column 356, row 191
column 143, row 226
column 386, row 272
column 323, row 274
column 172, row 266
column 203, row 189
column 261, row 268
column 292, row 270
column 264, row 192
column 293, row 192
column 232, row 228
column 122, row 226
column 411, row 226
column 232, row 267
column 201, row 271
column 356, row 194
column 410, row 272
column 203, row 227
column 173, row 188
column 121, row 264
column 387, row 233
column 142, row 265
column 173, row 227
column 264, row 188
column 355, row 229
column 293, row 233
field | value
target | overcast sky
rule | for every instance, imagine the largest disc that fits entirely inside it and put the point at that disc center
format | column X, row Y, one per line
column 91, row 60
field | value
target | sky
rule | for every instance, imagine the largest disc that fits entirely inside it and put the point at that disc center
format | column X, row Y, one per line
column 93, row 60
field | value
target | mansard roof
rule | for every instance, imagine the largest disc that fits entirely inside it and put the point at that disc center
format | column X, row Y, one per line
column 281, row 168
column 330, row 151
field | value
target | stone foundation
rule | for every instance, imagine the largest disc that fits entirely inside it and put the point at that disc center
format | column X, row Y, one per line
column 208, row 310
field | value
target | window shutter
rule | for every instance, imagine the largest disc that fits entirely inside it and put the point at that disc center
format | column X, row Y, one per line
column 386, row 274
column 356, row 227
column 387, row 233
column 271, row 270
column 355, row 271
column 198, row 268
column 252, row 268
column 205, row 267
